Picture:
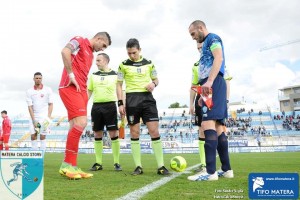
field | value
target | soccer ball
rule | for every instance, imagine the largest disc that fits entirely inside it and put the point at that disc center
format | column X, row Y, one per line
column 178, row 164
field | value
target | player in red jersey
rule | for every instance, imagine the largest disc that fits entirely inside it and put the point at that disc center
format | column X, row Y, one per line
column 77, row 57
column 6, row 129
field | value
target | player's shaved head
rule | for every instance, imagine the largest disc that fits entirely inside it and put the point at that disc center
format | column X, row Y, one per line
column 104, row 35
column 198, row 23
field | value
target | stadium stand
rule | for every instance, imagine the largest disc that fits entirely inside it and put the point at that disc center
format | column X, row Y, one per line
column 246, row 126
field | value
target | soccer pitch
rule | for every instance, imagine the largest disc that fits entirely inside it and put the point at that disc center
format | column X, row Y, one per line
column 109, row 184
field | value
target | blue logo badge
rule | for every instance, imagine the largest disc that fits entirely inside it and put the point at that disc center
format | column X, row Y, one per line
column 21, row 174
column 273, row 185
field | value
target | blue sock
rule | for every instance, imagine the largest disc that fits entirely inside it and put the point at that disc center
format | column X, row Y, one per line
column 223, row 152
column 211, row 143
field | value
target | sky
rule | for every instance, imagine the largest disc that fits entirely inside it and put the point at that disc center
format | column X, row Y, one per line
column 34, row 32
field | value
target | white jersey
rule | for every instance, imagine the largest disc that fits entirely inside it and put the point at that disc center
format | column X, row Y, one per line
column 39, row 100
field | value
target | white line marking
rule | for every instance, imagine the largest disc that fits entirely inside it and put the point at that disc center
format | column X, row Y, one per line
column 139, row 193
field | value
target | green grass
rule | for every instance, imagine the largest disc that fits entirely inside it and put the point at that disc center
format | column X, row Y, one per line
column 109, row 184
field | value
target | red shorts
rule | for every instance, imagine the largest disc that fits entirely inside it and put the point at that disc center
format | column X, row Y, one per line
column 75, row 102
column 5, row 138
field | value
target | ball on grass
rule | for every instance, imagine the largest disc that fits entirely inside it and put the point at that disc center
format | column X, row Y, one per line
column 178, row 164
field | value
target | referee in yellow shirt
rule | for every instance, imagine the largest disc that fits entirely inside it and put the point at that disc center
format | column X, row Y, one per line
column 102, row 85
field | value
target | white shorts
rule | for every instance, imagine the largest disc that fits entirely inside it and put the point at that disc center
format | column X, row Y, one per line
column 45, row 123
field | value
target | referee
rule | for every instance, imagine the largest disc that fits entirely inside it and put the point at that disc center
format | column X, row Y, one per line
column 140, row 77
column 102, row 84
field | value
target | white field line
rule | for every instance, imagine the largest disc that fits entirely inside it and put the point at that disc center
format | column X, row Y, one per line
column 139, row 193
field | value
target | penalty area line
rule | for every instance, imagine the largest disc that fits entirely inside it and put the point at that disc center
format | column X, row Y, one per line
column 139, row 193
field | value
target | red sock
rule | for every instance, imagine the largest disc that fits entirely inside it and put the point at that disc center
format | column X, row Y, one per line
column 1, row 147
column 72, row 145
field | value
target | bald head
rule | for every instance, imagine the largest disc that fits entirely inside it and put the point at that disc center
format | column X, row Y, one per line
column 198, row 23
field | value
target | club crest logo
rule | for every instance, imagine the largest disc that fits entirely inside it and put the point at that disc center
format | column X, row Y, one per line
column 21, row 174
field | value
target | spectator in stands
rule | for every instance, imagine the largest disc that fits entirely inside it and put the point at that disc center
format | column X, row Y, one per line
column 39, row 99
column 103, row 86
column 5, row 130
column 141, row 80
column 212, row 70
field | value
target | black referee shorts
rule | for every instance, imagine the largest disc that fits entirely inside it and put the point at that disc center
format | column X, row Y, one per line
column 104, row 114
column 198, row 112
column 141, row 105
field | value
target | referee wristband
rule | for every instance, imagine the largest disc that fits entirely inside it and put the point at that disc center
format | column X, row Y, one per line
column 71, row 75
column 120, row 102
column 154, row 83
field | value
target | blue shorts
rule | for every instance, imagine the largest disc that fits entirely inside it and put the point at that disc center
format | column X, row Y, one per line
column 219, row 110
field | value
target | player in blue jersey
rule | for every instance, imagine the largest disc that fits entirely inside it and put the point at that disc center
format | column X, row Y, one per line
column 211, row 76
